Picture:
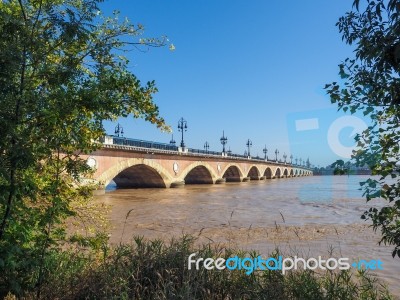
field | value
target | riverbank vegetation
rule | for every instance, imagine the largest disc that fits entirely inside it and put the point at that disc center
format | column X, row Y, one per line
column 62, row 73
column 154, row 270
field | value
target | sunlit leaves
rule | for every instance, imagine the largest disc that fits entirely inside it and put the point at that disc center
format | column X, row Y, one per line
column 62, row 73
column 372, row 86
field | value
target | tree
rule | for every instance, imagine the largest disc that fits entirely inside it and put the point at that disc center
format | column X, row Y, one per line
column 338, row 167
column 371, row 84
column 62, row 73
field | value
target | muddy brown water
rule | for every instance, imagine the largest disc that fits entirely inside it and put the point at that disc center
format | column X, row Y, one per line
column 308, row 216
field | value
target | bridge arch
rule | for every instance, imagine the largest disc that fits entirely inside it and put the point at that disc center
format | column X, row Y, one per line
column 268, row 173
column 254, row 173
column 291, row 173
column 278, row 173
column 199, row 173
column 285, row 173
column 232, row 172
column 136, row 172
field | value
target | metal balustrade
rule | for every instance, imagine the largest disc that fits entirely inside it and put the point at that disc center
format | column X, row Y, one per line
column 205, row 152
column 143, row 144
column 129, row 142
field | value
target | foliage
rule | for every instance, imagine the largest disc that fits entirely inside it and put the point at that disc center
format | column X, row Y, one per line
column 340, row 167
column 371, row 84
column 62, row 72
column 151, row 269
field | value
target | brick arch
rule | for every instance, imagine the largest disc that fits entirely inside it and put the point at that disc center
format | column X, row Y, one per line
column 223, row 172
column 285, row 172
column 278, row 173
column 254, row 172
column 106, row 177
column 195, row 165
column 268, row 173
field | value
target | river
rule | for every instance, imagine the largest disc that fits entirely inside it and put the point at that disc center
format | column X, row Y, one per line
column 307, row 216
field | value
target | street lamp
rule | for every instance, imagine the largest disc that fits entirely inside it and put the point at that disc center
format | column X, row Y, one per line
column 206, row 146
column 291, row 159
column 248, row 144
column 296, row 160
column 224, row 141
column 265, row 150
column 284, row 157
column 119, row 130
column 172, row 141
column 300, row 161
column 182, row 126
column 276, row 154
column 229, row 151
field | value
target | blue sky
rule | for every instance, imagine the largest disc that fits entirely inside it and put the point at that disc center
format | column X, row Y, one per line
column 245, row 67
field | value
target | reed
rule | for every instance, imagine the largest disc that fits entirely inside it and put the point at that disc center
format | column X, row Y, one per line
column 152, row 269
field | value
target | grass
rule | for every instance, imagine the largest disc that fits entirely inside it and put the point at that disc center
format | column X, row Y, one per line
column 151, row 269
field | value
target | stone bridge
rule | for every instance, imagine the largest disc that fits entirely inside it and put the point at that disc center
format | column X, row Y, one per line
column 134, row 167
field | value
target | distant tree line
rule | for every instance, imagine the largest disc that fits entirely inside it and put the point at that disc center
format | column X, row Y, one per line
column 341, row 168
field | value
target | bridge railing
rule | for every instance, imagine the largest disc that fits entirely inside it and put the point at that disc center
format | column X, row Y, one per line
column 143, row 144
column 236, row 155
column 122, row 141
column 205, row 152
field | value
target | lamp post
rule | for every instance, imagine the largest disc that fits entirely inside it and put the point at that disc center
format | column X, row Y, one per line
column 206, row 146
column 172, row 141
column 300, row 161
column 182, row 126
column 229, row 151
column 296, row 160
column 224, row 141
column 291, row 159
column 265, row 150
column 119, row 130
column 248, row 144
column 276, row 154
column 284, row 157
